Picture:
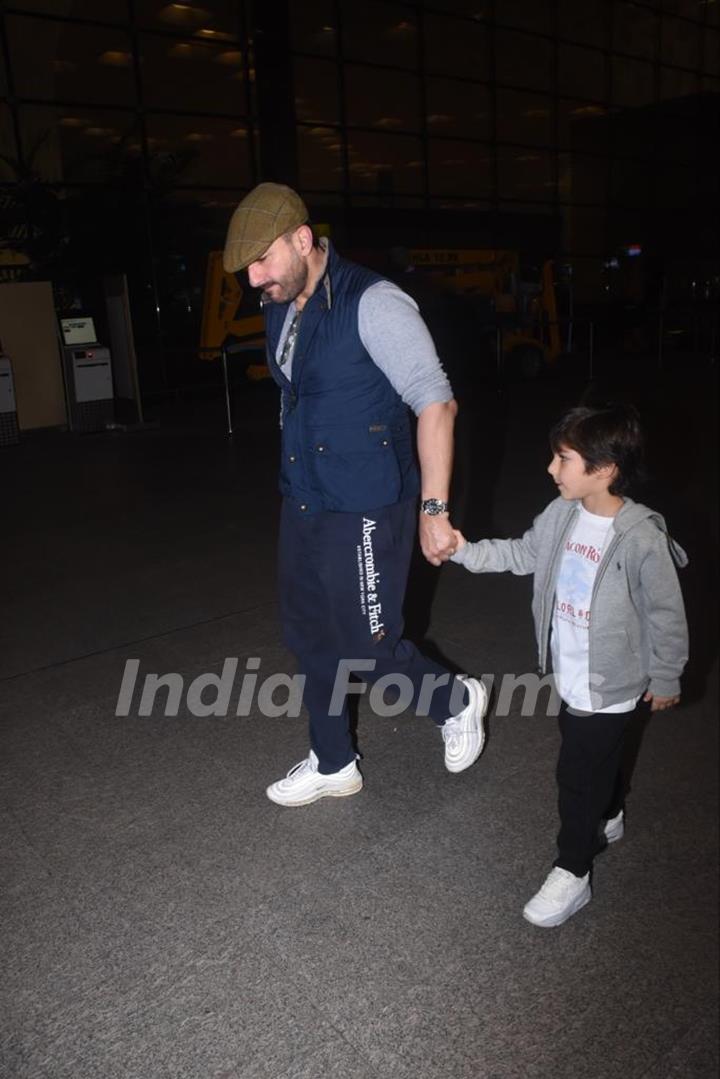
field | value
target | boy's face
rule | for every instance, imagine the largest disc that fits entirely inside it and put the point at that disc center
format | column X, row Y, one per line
column 568, row 470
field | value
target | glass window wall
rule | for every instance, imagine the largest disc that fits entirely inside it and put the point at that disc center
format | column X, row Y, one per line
column 380, row 33
column 316, row 91
column 456, row 47
column 65, row 144
column 461, row 168
column 60, row 61
column 523, row 60
column 385, row 164
column 635, row 30
column 313, row 27
column 107, row 11
column 9, row 163
column 198, row 150
column 587, row 23
column 460, row 108
column 581, row 72
column 387, row 100
column 526, row 173
column 209, row 20
column 192, row 75
column 321, row 159
column 525, row 117
column 681, row 42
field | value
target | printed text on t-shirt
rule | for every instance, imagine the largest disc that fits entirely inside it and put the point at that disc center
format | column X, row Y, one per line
column 585, row 550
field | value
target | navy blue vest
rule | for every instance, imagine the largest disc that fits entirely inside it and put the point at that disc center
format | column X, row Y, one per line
column 347, row 442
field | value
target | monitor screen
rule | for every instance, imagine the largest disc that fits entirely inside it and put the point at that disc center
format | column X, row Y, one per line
column 79, row 330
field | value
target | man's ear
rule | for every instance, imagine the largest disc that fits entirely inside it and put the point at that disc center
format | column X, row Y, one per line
column 303, row 240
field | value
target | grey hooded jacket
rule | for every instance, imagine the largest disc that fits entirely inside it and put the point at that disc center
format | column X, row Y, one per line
column 638, row 637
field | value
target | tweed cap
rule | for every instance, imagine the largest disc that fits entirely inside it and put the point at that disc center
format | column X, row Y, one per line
column 263, row 215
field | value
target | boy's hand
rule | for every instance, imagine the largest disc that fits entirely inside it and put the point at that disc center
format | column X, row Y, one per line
column 659, row 704
column 460, row 540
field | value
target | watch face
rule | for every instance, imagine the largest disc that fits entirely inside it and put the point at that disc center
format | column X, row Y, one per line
column 433, row 506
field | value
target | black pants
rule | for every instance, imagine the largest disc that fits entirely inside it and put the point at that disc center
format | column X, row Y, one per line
column 590, row 785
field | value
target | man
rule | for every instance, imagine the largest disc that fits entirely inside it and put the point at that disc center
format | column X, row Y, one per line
column 351, row 355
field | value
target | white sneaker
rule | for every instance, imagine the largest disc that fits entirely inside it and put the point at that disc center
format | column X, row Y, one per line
column 614, row 828
column 304, row 784
column 562, row 895
column 464, row 735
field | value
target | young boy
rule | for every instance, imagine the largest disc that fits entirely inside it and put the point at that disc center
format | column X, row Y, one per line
column 608, row 608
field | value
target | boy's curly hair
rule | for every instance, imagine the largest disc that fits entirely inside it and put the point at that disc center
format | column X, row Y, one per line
column 608, row 434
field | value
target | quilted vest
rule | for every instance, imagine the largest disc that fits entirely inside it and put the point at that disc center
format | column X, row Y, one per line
column 347, row 442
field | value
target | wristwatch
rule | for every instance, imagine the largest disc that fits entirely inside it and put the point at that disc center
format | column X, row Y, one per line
column 433, row 506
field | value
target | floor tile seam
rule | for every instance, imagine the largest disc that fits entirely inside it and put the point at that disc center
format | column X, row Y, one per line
column 18, row 675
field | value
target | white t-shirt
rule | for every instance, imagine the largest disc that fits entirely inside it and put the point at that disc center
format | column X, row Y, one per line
column 571, row 619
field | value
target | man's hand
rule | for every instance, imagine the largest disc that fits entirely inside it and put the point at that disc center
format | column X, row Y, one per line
column 437, row 538
column 435, row 452
column 659, row 704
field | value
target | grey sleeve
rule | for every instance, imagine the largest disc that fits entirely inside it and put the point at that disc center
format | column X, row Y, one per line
column 498, row 555
column 665, row 619
column 392, row 330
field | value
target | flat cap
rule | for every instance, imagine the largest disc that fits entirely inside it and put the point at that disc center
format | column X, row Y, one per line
column 263, row 215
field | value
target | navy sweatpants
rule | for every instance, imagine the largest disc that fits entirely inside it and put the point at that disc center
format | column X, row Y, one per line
column 342, row 579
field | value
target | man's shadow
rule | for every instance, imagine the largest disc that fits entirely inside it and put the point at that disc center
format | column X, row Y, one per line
column 480, row 432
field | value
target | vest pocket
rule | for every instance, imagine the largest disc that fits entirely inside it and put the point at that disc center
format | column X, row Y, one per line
column 355, row 466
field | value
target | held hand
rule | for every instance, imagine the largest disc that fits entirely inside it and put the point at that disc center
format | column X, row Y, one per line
column 437, row 538
column 460, row 540
column 659, row 704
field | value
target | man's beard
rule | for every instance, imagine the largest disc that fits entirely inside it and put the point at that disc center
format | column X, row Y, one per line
column 290, row 286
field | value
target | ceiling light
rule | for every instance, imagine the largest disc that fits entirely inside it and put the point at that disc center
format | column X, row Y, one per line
column 183, row 14
column 231, row 57
column 115, row 58
column 588, row 110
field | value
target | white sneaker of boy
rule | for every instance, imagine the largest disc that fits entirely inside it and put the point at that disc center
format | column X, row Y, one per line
column 562, row 895
column 304, row 784
column 614, row 828
column 464, row 735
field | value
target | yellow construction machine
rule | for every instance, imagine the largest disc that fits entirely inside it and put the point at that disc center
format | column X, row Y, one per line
column 518, row 304
column 520, row 300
